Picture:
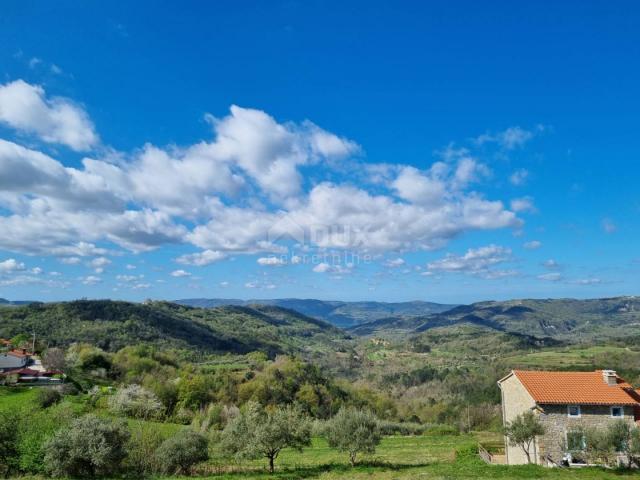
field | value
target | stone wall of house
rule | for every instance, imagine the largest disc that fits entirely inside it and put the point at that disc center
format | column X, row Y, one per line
column 515, row 401
column 557, row 423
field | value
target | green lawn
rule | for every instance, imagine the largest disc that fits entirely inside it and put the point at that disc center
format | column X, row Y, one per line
column 14, row 399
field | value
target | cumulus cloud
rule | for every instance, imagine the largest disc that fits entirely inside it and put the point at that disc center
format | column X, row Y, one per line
column 476, row 261
column 522, row 205
column 271, row 261
column 394, row 262
column 532, row 245
column 334, row 269
column 200, row 259
column 91, row 280
column 180, row 273
column 99, row 263
column 519, row 177
column 11, row 265
column 26, row 108
column 242, row 192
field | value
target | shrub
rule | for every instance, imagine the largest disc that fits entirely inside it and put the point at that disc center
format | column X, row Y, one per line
column 8, row 443
column 354, row 431
column 48, row 397
column 181, row 452
column 438, row 430
column 91, row 446
column 136, row 401
column 399, row 428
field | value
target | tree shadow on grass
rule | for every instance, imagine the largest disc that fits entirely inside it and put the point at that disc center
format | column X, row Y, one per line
column 304, row 472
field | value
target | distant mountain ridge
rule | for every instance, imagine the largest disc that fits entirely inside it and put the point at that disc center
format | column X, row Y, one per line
column 562, row 319
column 4, row 301
column 338, row 313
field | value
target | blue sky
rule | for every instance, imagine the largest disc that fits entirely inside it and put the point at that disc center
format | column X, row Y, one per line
column 339, row 150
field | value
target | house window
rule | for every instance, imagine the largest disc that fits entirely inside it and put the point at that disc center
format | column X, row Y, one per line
column 575, row 441
column 573, row 411
column 617, row 412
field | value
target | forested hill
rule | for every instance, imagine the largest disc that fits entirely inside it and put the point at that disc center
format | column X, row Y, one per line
column 341, row 314
column 566, row 319
column 112, row 325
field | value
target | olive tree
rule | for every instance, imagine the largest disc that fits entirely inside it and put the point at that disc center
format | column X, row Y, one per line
column 258, row 432
column 599, row 445
column 136, row 401
column 178, row 454
column 625, row 439
column 353, row 431
column 522, row 432
column 90, row 447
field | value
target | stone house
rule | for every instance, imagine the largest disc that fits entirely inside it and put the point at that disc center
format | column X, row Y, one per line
column 566, row 403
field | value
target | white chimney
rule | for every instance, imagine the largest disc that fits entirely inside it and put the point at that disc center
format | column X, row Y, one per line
column 610, row 377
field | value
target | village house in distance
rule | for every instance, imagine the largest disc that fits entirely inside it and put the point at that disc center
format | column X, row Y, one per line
column 19, row 366
column 566, row 403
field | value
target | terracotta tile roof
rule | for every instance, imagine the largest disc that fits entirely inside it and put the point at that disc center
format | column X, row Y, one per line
column 586, row 388
column 19, row 353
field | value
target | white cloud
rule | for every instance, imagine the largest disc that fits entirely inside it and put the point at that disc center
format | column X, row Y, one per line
column 130, row 267
column 551, row 264
column 70, row 260
column 394, row 263
column 128, row 278
column 99, row 263
column 11, row 265
column 55, row 120
column 200, row 259
column 476, row 261
column 71, row 212
column 550, row 277
column 336, row 269
column 180, row 273
column 260, row 285
column 519, row 177
column 532, row 245
column 37, row 271
column 588, row 281
column 511, row 138
column 322, row 268
column 271, row 261
column 91, row 280
column 524, row 204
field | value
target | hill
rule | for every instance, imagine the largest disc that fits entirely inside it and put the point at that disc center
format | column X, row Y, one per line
column 563, row 319
column 338, row 313
column 112, row 325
